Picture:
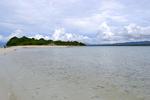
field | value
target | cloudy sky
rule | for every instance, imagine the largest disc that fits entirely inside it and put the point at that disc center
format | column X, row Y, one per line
column 89, row 21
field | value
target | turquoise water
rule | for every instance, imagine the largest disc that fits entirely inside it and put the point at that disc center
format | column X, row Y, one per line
column 78, row 73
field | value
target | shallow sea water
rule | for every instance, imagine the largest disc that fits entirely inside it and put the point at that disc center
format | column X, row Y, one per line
column 76, row 73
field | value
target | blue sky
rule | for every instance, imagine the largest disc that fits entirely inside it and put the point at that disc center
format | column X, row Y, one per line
column 89, row 21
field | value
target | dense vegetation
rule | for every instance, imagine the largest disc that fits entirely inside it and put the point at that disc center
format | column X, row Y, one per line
column 15, row 41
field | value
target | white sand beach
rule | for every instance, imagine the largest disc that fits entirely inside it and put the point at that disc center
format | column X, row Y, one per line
column 41, row 73
column 14, row 48
column 6, row 50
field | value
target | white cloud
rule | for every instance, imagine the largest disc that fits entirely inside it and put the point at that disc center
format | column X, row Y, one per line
column 109, row 12
column 1, row 37
column 105, row 30
column 17, row 33
column 131, row 32
column 136, row 32
column 60, row 34
column 39, row 36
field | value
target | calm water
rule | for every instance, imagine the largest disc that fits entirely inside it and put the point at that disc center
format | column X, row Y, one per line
column 78, row 73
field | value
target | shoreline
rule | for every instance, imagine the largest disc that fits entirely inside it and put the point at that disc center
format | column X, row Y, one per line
column 14, row 48
column 6, row 50
column 38, row 46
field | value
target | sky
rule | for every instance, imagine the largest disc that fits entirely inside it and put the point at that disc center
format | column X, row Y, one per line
column 88, row 21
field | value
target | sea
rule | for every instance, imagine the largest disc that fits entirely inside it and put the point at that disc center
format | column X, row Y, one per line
column 77, row 73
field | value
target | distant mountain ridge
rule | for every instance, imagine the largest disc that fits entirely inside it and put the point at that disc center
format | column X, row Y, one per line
column 138, row 43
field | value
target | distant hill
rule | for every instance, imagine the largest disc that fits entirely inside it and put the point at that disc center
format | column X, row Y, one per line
column 138, row 43
column 15, row 41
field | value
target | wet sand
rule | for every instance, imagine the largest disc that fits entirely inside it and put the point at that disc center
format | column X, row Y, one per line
column 6, row 50
column 30, row 73
column 14, row 48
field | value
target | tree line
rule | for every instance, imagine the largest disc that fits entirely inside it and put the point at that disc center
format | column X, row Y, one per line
column 15, row 41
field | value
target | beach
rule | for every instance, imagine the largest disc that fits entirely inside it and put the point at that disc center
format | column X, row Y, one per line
column 14, row 48
column 74, row 73
column 6, row 50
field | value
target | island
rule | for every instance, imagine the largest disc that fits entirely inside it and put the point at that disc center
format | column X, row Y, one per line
column 23, row 41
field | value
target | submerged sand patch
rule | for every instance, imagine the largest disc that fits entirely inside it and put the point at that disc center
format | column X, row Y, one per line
column 72, row 74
